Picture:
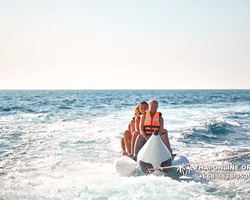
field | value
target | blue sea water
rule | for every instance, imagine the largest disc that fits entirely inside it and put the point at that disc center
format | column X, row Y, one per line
column 64, row 144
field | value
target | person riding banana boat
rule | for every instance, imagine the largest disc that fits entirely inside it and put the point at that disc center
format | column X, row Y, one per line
column 151, row 121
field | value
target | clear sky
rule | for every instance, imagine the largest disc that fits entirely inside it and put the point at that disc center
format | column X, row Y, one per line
column 125, row 44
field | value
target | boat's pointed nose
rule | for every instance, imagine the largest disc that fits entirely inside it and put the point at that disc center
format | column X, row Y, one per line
column 154, row 154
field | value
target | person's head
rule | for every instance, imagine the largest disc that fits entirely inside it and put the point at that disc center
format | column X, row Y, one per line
column 153, row 106
column 137, row 110
column 143, row 106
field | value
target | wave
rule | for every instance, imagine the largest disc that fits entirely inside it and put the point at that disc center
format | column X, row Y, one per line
column 217, row 127
column 4, row 148
column 69, row 101
column 212, row 131
column 16, row 108
column 64, row 107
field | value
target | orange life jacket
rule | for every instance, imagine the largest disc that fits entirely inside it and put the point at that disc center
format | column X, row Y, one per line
column 151, row 123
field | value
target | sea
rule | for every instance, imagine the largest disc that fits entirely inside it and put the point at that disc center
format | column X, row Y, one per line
column 64, row 144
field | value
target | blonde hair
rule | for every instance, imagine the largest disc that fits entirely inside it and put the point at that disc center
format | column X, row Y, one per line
column 137, row 110
column 152, row 101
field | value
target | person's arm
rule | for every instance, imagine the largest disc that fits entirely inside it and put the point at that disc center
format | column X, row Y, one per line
column 162, row 125
column 137, row 124
column 132, row 126
column 142, row 128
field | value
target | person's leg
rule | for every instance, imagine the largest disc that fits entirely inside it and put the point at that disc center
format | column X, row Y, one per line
column 140, row 141
column 165, row 140
column 123, row 147
column 127, row 139
column 134, row 137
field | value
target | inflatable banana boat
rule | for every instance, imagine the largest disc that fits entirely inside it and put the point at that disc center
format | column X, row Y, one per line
column 153, row 155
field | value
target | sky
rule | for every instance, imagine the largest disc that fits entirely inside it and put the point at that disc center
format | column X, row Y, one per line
column 125, row 44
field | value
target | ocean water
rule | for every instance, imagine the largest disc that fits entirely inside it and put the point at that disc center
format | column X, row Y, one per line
column 64, row 144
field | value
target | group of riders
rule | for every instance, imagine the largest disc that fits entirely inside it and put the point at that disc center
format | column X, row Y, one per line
column 145, row 121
